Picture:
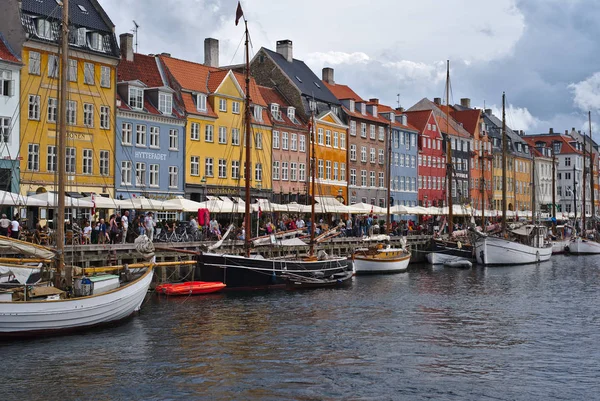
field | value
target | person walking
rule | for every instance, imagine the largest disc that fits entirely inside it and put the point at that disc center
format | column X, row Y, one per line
column 125, row 226
column 15, row 227
column 4, row 225
column 149, row 225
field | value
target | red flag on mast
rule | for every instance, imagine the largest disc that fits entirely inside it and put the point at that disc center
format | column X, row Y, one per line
column 238, row 13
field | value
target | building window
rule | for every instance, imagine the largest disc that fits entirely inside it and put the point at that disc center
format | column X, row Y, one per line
column 173, row 139
column 327, row 138
column 258, row 140
column 140, row 174
column 165, row 103
column 52, row 66
column 136, row 98
column 88, row 115
column 34, row 107
column 208, row 167
column 276, row 170
column 33, row 157
column 328, row 169
column 71, row 112
column 235, row 136
column 104, row 76
column 87, row 161
column 153, row 179
column 372, row 178
column 194, row 165
column 140, row 135
column 302, row 146
column 258, row 172
column 223, row 135
column 275, row 139
column 352, row 176
column 284, row 140
column 353, row 152
column 302, row 172
column 209, row 132
column 321, row 169
column 342, row 171
column 223, row 105
column 104, row 162
column 125, row 173
column 294, row 142
column 372, row 131
column 335, row 171
column 195, row 132
column 173, row 173
column 342, row 140
column 381, row 156
column 51, row 159
column 96, row 40
column 284, row 171
column 6, row 83
column 104, row 117
column 363, row 178
column 567, row 161
column 353, row 128
column 320, row 136
column 363, row 154
column 381, row 184
column 372, row 155
column 293, row 171
column 34, row 63
column 88, row 73
column 201, row 102
column 291, row 113
column 154, row 137
column 126, row 129
column 222, row 168
column 258, row 113
column 71, row 160
column 235, row 169
column 381, row 133
column 52, row 109
column 235, row 107
column 72, row 73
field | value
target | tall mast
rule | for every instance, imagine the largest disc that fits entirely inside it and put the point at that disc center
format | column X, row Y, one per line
column 583, row 186
column 388, row 177
column 533, row 200
column 60, row 152
column 553, row 181
column 448, row 151
column 592, row 179
column 575, row 194
column 504, row 150
column 247, row 168
column 313, row 165
column 481, row 159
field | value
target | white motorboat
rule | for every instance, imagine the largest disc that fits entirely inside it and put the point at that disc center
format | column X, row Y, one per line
column 560, row 246
column 379, row 260
column 499, row 251
column 581, row 246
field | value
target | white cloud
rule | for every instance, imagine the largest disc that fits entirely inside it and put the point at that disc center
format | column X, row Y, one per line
column 335, row 58
column 586, row 93
column 518, row 118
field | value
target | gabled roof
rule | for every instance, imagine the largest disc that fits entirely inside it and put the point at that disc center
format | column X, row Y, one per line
column 271, row 95
column 387, row 109
column 142, row 68
column 343, row 92
column 190, row 76
column 6, row 53
column 469, row 118
column 566, row 147
column 445, row 124
column 93, row 17
column 303, row 77
column 532, row 146
column 491, row 119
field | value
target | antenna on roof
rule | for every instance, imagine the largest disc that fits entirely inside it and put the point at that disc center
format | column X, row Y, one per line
column 135, row 31
column 398, row 96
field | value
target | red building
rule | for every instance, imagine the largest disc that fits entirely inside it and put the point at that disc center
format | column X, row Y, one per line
column 431, row 165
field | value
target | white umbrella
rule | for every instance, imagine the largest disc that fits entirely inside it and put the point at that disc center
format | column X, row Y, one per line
column 50, row 199
column 366, row 208
column 102, row 202
column 186, row 205
column 328, row 204
column 142, row 203
column 12, row 199
column 399, row 209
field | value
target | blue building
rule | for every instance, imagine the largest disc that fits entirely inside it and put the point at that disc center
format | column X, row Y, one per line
column 150, row 154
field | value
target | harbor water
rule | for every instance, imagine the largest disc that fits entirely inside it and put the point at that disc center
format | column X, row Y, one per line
column 503, row 333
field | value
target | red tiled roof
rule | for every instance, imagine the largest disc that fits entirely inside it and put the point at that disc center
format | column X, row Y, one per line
column 343, row 92
column 271, row 95
column 468, row 118
column 419, row 119
column 566, row 147
column 382, row 108
column 142, row 68
column 190, row 106
column 531, row 144
column 191, row 76
column 6, row 54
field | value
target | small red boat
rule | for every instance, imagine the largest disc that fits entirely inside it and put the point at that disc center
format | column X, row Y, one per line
column 190, row 288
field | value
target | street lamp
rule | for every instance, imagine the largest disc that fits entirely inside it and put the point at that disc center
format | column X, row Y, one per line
column 203, row 182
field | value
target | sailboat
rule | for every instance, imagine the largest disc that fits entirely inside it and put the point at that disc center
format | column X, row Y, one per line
column 380, row 258
column 249, row 271
column 32, row 309
column 584, row 244
column 526, row 244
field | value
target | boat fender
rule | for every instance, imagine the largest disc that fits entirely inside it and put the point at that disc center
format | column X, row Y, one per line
column 86, row 287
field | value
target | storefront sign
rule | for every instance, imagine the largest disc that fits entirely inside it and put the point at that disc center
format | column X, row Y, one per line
column 150, row 155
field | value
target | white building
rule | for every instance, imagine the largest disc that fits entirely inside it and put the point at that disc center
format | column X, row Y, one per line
column 10, row 67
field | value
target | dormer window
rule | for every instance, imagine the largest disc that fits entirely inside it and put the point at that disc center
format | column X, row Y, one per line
column 275, row 112
column 291, row 113
column 404, row 119
column 392, row 117
column 374, row 111
column 136, row 98
column 165, row 103
column 352, row 106
column 201, row 102
column 335, row 110
column 363, row 108
column 257, row 113
column 80, row 36
column 44, row 29
column 96, row 40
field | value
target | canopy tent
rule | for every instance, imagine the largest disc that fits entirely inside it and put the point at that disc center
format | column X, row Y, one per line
column 102, row 202
column 141, row 203
column 399, row 209
column 225, row 205
column 366, row 208
column 183, row 204
column 328, row 204
column 50, row 199
column 12, row 199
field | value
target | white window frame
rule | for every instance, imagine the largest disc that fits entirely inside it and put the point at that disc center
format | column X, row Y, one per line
column 223, row 105
column 51, row 161
column 140, row 174
column 209, row 133
column 173, row 139
column 154, row 141
column 302, row 143
column 141, row 132
column 222, row 168
column 104, row 162
column 222, row 135
column 72, row 73
column 34, row 107
column 89, row 74
column 35, row 60
column 235, row 136
column 71, row 160
column 153, row 175
column 126, row 172
column 201, row 102
column 195, row 131
column 71, row 112
column 126, row 133
column 235, row 107
column 194, row 166
column 53, row 66
column 52, row 110
column 173, row 176
column 275, row 139
column 105, row 75
column 88, row 161
column 165, row 103
column 209, row 167
column 88, row 115
column 136, row 98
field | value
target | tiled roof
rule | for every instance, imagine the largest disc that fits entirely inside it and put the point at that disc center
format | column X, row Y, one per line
column 469, row 118
column 387, row 109
column 148, row 108
column 566, row 147
column 191, row 76
column 445, row 124
column 142, row 68
column 419, row 118
column 343, row 92
column 93, row 17
column 303, row 77
column 271, row 95
column 190, row 106
column 6, row 53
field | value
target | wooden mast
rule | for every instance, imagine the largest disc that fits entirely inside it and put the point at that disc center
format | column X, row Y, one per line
column 553, row 181
column 313, row 165
column 482, row 160
column 583, row 186
column 60, row 152
column 247, row 167
column 448, row 151
column 388, row 172
column 592, row 181
column 533, row 200
column 504, row 150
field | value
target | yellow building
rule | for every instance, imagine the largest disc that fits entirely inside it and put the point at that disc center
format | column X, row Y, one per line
column 330, row 156
column 213, row 99
column 93, row 56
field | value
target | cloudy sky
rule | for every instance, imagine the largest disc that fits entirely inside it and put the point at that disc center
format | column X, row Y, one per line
column 542, row 53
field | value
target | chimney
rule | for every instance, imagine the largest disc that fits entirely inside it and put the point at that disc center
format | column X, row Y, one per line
column 327, row 75
column 284, row 47
column 374, row 100
column 551, row 131
column 465, row 102
column 437, row 100
column 400, row 109
column 211, row 52
column 126, row 40
column 566, row 132
column 488, row 112
column 165, row 54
